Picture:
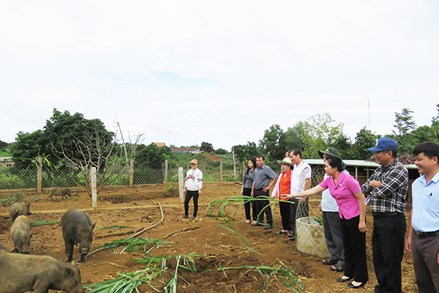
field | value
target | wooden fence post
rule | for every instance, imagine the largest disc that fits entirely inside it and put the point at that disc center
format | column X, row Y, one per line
column 94, row 194
column 180, row 184
column 39, row 174
column 221, row 172
column 165, row 172
column 131, row 173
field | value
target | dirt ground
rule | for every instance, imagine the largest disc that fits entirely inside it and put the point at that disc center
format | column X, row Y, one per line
column 217, row 246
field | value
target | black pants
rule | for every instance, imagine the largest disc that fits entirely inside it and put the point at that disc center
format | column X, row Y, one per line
column 424, row 252
column 249, row 204
column 334, row 236
column 264, row 206
column 388, row 249
column 189, row 195
column 354, row 243
column 285, row 213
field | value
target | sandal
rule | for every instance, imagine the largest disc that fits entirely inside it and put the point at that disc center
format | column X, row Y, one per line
column 337, row 268
column 344, row 279
column 247, row 221
column 329, row 262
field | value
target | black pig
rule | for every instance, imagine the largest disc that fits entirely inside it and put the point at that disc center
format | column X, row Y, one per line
column 18, row 209
column 77, row 229
column 21, row 234
column 38, row 273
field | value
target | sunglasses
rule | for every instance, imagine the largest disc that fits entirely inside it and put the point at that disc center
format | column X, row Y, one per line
column 193, row 164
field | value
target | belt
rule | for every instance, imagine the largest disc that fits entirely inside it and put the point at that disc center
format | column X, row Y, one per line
column 426, row 234
column 386, row 214
column 259, row 189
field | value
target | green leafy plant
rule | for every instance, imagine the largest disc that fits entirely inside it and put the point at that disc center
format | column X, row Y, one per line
column 153, row 275
column 281, row 271
column 112, row 227
column 43, row 223
column 7, row 201
column 318, row 219
column 136, row 244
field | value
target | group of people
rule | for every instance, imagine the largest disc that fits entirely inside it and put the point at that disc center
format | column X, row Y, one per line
column 259, row 179
column 343, row 209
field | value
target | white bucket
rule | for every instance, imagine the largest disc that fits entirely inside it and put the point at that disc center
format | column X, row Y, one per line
column 310, row 237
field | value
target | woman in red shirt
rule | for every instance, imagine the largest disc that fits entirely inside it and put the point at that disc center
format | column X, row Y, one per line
column 283, row 186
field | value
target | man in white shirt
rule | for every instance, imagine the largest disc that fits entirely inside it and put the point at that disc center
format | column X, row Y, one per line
column 192, row 188
column 301, row 181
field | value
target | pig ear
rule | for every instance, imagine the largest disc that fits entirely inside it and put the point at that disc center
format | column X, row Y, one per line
column 69, row 272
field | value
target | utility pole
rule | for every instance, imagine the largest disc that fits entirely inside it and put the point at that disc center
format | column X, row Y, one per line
column 368, row 111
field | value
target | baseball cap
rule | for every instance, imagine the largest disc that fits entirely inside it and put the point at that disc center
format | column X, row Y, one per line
column 384, row 144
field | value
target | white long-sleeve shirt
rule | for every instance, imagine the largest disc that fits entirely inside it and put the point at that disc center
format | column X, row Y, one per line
column 194, row 179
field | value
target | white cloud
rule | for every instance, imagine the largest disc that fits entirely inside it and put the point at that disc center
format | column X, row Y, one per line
column 231, row 68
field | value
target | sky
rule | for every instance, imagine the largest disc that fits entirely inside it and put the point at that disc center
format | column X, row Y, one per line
column 184, row 72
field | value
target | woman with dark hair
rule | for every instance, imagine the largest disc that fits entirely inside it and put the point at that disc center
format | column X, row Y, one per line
column 246, row 189
column 352, row 211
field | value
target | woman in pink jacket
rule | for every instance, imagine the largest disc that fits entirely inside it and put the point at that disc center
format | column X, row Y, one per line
column 352, row 210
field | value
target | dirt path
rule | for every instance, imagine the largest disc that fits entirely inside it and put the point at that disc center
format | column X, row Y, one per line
column 216, row 246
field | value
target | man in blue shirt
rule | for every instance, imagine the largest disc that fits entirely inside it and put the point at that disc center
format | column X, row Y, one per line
column 423, row 235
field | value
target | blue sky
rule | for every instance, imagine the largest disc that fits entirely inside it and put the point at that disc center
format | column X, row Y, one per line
column 184, row 72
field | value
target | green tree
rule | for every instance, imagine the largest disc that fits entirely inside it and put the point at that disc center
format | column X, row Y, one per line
column 364, row 139
column 246, row 152
column 298, row 136
column 78, row 140
column 26, row 148
column 206, row 147
column 220, row 151
column 151, row 156
column 3, row 145
column 404, row 125
column 423, row 133
column 273, row 143
column 322, row 126
column 343, row 144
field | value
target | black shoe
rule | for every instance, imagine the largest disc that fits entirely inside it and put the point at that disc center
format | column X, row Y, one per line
column 344, row 279
column 337, row 268
column 329, row 262
column 268, row 226
column 256, row 224
column 185, row 217
column 350, row 285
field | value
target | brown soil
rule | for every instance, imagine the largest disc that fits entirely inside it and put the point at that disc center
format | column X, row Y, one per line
column 217, row 246
column 212, row 157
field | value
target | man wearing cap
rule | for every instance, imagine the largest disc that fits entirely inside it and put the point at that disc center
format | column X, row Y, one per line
column 264, row 179
column 301, row 182
column 284, row 186
column 423, row 235
column 387, row 195
column 192, row 188
column 331, row 221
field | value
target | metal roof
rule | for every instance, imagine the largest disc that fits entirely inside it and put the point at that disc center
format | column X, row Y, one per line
column 355, row 163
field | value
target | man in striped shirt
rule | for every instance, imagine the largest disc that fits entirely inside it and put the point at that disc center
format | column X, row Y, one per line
column 387, row 194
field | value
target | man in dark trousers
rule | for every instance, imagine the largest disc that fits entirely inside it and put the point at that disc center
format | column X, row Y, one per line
column 387, row 194
column 423, row 236
column 264, row 179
